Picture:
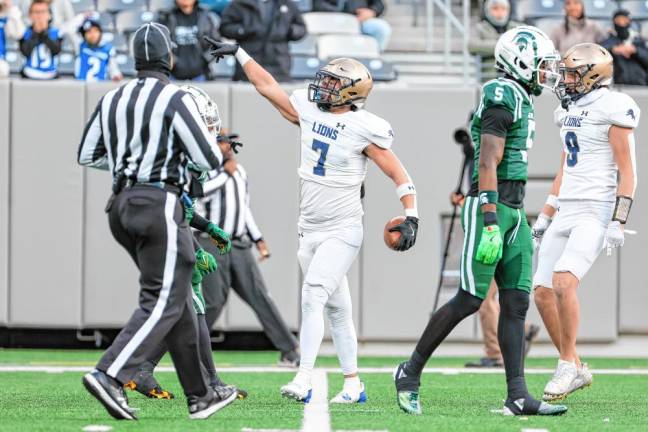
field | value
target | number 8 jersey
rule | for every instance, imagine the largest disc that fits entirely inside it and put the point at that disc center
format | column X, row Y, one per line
column 333, row 165
column 590, row 171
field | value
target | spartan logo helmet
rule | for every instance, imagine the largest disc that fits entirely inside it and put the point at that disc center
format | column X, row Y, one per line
column 522, row 41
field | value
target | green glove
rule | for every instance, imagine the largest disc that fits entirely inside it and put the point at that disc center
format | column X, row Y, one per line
column 220, row 238
column 205, row 262
column 489, row 250
column 196, row 276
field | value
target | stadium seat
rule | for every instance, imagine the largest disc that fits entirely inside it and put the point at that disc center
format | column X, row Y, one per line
column 223, row 68
column 68, row 44
column 638, row 9
column 545, row 9
column 106, row 20
column 331, row 23
column 114, row 6
column 15, row 60
column 304, row 67
column 304, row 5
column 66, row 63
column 128, row 21
column 126, row 65
column 600, row 8
column 118, row 41
column 380, row 70
column 305, row 47
column 330, row 46
column 157, row 5
column 81, row 6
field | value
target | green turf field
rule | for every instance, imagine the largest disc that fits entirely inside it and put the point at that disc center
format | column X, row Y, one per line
column 40, row 401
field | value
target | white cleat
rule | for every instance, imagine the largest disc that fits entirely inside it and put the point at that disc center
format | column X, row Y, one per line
column 297, row 391
column 348, row 396
column 566, row 380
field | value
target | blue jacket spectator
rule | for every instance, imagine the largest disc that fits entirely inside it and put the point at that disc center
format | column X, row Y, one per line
column 11, row 27
column 96, row 61
column 40, row 44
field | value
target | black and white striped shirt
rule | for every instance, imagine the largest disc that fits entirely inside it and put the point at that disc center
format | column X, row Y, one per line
column 146, row 129
column 227, row 203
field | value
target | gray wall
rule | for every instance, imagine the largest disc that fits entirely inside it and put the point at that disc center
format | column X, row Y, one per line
column 50, row 205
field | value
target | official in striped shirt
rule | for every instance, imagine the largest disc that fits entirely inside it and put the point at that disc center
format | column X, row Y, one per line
column 227, row 204
column 144, row 133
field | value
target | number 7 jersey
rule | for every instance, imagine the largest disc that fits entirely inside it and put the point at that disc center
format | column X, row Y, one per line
column 333, row 165
column 590, row 171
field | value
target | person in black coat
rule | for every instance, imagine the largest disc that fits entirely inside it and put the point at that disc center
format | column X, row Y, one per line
column 367, row 12
column 629, row 51
column 263, row 28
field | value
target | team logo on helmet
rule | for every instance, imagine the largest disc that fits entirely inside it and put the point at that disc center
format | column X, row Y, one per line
column 522, row 41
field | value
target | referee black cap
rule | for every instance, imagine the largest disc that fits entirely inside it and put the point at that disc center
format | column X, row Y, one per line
column 152, row 47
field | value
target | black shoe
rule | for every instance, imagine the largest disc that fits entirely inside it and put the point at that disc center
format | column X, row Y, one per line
column 289, row 359
column 485, row 362
column 145, row 383
column 530, row 335
column 529, row 406
column 110, row 393
column 240, row 393
column 216, row 399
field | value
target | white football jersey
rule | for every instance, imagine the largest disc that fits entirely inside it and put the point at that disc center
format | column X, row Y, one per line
column 333, row 165
column 590, row 172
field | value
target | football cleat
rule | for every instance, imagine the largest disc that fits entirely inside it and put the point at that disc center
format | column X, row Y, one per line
column 145, row 383
column 216, row 399
column 566, row 380
column 348, row 396
column 111, row 395
column 530, row 406
column 407, row 390
column 297, row 391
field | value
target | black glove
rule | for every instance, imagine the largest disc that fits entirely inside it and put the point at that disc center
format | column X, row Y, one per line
column 408, row 229
column 218, row 50
column 235, row 145
column 231, row 139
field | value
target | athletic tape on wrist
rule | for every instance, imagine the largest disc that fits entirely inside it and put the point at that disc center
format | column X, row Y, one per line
column 622, row 209
column 552, row 200
column 405, row 189
column 242, row 57
column 488, row 197
column 412, row 212
column 490, row 218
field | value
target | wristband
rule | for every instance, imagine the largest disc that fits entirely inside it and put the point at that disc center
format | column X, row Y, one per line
column 552, row 200
column 622, row 209
column 488, row 197
column 242, row 57
column 411, row 212
column 405, row 189
column 490, row 218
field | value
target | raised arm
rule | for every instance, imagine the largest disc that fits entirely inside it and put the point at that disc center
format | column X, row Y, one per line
column 262, row 80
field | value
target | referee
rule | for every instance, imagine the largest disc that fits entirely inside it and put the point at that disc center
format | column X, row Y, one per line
column 144, row 132
column 227, row 205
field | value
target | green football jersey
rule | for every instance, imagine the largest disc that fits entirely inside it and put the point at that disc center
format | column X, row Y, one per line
column 507, row 94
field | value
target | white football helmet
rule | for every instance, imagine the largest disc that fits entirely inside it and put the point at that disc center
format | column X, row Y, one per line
column 206, row 107
column 527, row 55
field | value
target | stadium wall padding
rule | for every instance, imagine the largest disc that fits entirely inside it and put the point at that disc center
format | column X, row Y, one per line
column 64, row 270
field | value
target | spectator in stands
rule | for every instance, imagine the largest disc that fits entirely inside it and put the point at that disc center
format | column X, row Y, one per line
column 95, row 61
column 576, row 28
column 497, row 20
column 216, row 6
column 367, row 12
column 40, row 44
column 629, row 51
column 263, row 28
column 62, row 15
column 188, row 22
column 11, row 27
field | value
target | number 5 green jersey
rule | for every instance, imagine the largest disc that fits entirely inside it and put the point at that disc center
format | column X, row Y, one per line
column 509, row 95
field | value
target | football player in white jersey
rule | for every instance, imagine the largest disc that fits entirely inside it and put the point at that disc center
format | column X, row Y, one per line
column 589, row 201
column 337, row 138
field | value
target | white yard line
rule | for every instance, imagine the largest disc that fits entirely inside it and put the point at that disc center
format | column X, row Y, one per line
column 274, row 369
column 316, row 413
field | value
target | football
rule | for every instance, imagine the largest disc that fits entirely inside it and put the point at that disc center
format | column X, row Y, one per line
column 392, row 238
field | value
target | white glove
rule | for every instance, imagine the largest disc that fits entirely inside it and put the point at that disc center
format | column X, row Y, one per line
column 614, row 236
column 539, row 227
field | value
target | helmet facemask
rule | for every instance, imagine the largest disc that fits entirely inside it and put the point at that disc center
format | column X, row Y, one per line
column 328, row 90
column 547, row 74
column 212, row 119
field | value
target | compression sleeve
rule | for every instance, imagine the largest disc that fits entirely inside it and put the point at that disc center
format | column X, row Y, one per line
column 496, row 121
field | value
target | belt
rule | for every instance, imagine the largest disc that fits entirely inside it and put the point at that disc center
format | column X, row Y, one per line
column 124, row 183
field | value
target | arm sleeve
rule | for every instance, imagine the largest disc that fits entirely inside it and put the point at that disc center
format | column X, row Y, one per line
column 197, row 142
column 216, row 182
column 92, row 151
column 496, row 121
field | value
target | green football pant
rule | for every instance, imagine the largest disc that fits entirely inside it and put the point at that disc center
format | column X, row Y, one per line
column 513, row 270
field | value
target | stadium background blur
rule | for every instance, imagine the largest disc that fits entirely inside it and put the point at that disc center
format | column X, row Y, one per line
column 72, row 294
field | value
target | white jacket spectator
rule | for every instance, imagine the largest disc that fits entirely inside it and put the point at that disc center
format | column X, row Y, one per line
column 11, row 27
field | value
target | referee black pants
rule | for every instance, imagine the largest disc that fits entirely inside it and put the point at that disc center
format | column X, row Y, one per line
column 150, row 224
column 240, row 271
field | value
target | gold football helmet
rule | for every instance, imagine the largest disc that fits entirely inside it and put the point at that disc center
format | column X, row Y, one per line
column 343, row 81
column 586, row 66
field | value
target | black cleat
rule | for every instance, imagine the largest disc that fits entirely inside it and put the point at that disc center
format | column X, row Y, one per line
column 485, row 362
column 110, row 393
column 145, row 383
column 216, row 399
column 407, row 390
column 529, row 406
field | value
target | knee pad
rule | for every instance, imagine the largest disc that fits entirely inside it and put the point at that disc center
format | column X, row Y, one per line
column 464, row 303
column 314, row 297
column 514, row 303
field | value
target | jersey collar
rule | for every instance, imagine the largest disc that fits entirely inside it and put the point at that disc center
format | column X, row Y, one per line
column 591, row 97
column 524, row 92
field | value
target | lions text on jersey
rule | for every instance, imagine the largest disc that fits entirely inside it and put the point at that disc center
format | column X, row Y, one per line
column 333, row 165
column 590, row 172
column 92, row 64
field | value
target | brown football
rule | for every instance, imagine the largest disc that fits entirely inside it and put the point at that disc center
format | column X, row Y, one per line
column 392, row 238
